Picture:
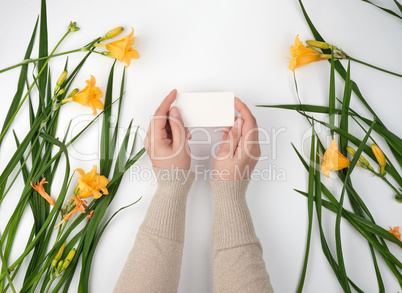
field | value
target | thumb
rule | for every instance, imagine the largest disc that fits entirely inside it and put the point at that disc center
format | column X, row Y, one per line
column 176, row 125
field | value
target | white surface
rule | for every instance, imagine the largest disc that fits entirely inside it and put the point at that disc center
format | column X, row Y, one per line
column 206, row 109
column 223, row 45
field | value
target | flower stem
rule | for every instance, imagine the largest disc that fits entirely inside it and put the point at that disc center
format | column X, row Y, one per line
column 375, row 67
column 387, row 181
column 38, row 59
column 49, row 285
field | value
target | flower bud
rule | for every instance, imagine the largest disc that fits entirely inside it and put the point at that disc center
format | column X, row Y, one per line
column 73, row 27
column 59, row 265
column 58, row 255
column 62, row 78
column 60, row 92
column 321, row 45
column 379, row 155
column 364, row 163
column 113, row 33
column 68, row 259
column 73, row 93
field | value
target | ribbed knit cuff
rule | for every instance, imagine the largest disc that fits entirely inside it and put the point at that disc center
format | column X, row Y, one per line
column 233, row 225
column 166, row 213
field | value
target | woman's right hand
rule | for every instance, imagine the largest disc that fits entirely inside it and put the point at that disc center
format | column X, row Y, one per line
column 240, row 149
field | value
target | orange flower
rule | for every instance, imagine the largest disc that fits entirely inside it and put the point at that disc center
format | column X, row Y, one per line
column 88, row 97
column 79, row 205
column 122, row 49
column 41, row 190
column 90, row 215
column 333, row 159
column 395, row 231
column 91, row 184
column 302, row 56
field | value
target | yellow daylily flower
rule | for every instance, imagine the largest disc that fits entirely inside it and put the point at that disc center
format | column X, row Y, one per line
column 91, row 184
column 41, row 190
column 79, row 205
column 333, row 159
column 302, row 55
column 122, row 49
column 88, row 97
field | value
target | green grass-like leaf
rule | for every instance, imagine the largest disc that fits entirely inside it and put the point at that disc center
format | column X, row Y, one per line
column 311, row 172
column 344, row 123
column 331, row 103
column 20, row 86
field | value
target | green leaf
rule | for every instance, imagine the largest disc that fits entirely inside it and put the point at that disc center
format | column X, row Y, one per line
column 55, row 209
column 399, row 5
column 339, row 251
column 385, row 9
column 43, row 52
column 331, row 103
column 106, row 158
column 310, row 208
column 85, row 272
column 344, row 124
column 20, row 86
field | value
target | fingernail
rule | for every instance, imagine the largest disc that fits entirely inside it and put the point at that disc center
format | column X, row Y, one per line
column 174, row 112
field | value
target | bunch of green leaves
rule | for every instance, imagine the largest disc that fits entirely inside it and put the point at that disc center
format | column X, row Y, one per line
column 360, row 216
column 38, row 147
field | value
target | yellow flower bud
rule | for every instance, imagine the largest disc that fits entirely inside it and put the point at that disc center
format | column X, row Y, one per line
column 379, row 155
column 113, row 33
column 60, row 92
column 68, row 259
column 58, row 255
column 62, row 78
column 364, row 163
column 320, row 45
column 59, row 265
column 351, row 151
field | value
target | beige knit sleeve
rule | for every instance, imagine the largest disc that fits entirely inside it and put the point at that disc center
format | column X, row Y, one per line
column 153, row 264
column 237, row 262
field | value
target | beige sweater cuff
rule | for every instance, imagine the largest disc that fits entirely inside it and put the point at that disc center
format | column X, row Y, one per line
column 166, row 214
column 233, row 225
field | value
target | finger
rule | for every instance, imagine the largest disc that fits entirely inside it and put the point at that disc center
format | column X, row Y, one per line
column 224, row 145
column 188, row 133
column 177, row 126
column 227, row 128
column 161, row 114
column 249, row 121
column 236, row 134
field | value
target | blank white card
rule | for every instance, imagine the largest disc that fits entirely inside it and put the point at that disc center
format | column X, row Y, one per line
column 206, row 109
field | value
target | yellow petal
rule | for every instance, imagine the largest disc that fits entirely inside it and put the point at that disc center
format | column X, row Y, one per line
column 116, row 51
column 80, row 171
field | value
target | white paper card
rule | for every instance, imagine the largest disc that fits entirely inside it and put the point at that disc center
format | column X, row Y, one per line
column 206, row 109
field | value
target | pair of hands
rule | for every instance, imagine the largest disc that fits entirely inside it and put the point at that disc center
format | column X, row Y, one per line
column 167, row 142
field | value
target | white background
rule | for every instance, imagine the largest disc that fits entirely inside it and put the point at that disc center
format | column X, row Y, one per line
column 227, row 45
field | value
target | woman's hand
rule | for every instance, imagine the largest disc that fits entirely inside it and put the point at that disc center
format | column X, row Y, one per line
column 240, row 149
column 166, row 141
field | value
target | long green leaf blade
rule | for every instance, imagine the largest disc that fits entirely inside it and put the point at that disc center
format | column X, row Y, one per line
column 310, row 208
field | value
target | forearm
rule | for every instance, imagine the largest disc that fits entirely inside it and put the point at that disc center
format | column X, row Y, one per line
column 237, row 261
column 155, row 260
